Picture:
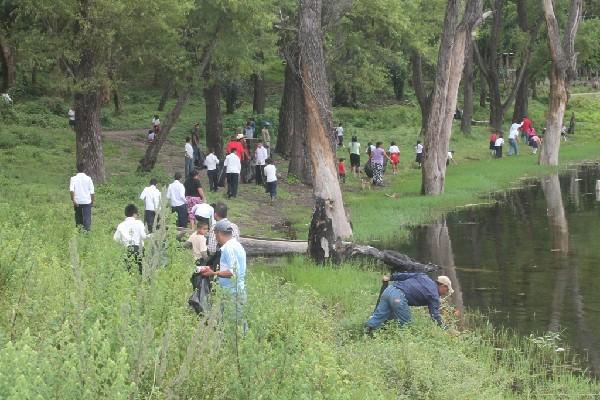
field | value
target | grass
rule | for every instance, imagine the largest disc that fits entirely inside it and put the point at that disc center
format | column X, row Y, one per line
column 75, row 324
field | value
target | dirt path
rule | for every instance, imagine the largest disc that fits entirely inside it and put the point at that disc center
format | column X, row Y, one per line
column 254, row 214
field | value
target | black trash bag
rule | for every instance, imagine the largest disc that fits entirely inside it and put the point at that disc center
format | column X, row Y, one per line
column 369, row 169
column 199, row 301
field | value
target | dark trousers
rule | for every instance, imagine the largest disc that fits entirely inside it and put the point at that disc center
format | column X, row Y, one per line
column 259, row 171
column 498, row 151
column 133, row 258
column 182, row 215
column 83, row 216
column 212, row 179
column 149, row 219
column 232, row 184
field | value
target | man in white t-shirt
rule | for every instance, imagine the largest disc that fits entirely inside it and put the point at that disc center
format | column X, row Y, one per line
column 211, row 162
column 71, row 115
column 131, row 233
column 261, row 155
column 513, row 138
column 82, row 196
column 189, row 157
column 419, row 153
column 176, row 196
column 271, row 177
column 233, row 167
column 151, row 197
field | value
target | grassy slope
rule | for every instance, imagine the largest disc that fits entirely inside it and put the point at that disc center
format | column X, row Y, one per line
column 313, row 326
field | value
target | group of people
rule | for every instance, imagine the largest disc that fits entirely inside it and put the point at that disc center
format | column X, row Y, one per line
column 377, row 159
column 155, row 130
column 527, row 133
column 220, row 258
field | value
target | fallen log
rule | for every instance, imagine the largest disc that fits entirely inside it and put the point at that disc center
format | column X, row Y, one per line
column 272, row 247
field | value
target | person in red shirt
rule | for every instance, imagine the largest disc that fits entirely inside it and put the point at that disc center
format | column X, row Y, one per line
column 342, row 170
column 236, row 144
column 493, row 138
column 527, row 125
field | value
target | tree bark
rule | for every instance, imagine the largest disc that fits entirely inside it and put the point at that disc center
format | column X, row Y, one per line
column 329, row 223
column 482, row 92
column 164, row 97
column 522, row 98
column 290, row 100
column 231, row 91
column 398, row 78
column 116, row 100
column 8, row 64
column 258, row 103
column 88, row 134
column 449, row 71
column 562, row 72
column 151, row 156
column 214, row 119
column 468, row 78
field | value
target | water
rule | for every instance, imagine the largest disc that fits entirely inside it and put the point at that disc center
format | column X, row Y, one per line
column 531, row 262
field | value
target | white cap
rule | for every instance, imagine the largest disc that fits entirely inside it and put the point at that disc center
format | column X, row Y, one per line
column 444, row 280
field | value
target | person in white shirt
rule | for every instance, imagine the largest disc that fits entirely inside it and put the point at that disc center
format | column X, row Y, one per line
column 151, row 136
column 151, row 197
column 71, row 115
column 261, row 156
column 394, row 156
column 211, row 162
column 131, row 233
column 498, row 145
column 156, row 124
column 83, row 197
column 233, row 167
column 354, row 150
column 189, row 157
column 450, row 158
column 513, row 138
column 204, row 211
column 419, row 153
column 271, row 177
column 176, row 196
column 340, row 135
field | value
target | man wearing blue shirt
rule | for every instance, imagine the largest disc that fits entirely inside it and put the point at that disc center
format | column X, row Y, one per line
column 409, row 289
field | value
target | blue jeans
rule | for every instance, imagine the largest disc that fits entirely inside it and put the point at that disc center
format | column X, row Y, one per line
column 189, row 166
column 392, row 305
column 514, row 148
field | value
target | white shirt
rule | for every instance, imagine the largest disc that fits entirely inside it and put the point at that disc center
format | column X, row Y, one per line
column 211, row 161
column 394, row 149
column 151, row 197
column 189, row 150
column 271, row 173
column 354, row 148
column 499, row 142
column 176, row 193
column 151, row 136
column 450, row 156
column 340, row 131
column 71, row 114
column 233, row 164
column 156, row 121
column 82, row 187
column 261, row 155
column 204, row 210
column 131, row 232
column 370, row 148
column 419, row 148
column 514, row 130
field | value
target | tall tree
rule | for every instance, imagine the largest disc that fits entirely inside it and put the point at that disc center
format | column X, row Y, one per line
column 449, row 71
column 521, row 107
column 562, row 73
column 329, row 223
column 214, row 118
column 490, row 67
column 8, row 64
column 468, row 83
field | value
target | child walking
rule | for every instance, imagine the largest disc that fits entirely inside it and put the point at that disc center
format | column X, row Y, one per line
column 498, row 145
column 271, row 178
column 342, row 170
column 394, row 157
column 419, row 152
column 493, row 138
column 131, row 233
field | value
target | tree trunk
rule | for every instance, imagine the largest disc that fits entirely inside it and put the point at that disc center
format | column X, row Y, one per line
column 418, row 84
column 164, row 97
column 557, row 104
column 116, row 101
column 258, row 103
column 482, row 92
column 290, row 100
column 151, row 157
column 88, row 134
column 398, row 78
column 329, row 223
column 214, row 119
column 7, row 62
column 468, row 78
column 522, row 100
column 562, row 72
column 449, row 71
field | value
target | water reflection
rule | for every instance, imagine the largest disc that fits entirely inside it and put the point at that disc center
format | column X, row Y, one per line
column 530, row 262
